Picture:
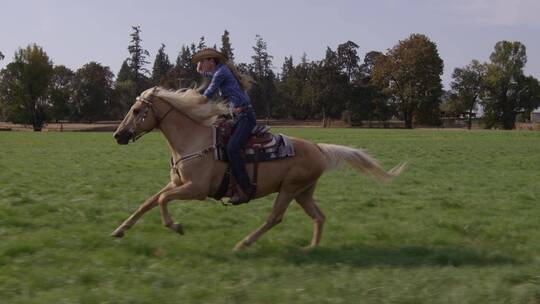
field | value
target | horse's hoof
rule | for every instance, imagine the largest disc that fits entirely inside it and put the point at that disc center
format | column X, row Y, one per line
column 239, row 246
column 308, row 248
column 178, row 228
column 118, row 233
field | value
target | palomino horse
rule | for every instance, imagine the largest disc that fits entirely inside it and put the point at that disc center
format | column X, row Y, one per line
column 185, row 118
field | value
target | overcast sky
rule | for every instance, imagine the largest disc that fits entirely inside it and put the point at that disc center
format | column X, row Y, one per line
column 75, row 32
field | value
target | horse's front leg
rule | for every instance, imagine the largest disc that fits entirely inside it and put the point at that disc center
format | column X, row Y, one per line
column 150, row 203
column 185, row 192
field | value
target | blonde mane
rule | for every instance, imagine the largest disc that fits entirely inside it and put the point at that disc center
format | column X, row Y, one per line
column 190, row 102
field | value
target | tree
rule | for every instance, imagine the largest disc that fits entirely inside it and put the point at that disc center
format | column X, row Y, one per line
column 292, row 90
column 162, row 65
column 185, row 70
column 93, row 92
column 347, row 57
column 380, row 107
column 529, row 94
column 262, row 61
column 202, row 44
column 132, row 78
column 366, row 69
column 9, row 90
column 1, row 56
column 193, row 48
column 411, row 74
column 287, row 69
column 24, row 84
column 125, row 93
column 327, row 87
column 285, row 88
column 262, row 72
column 467, row 87
column 125, row 72
column 60, row 91
column 504, row 83
column 226, row 48
column 137, row 60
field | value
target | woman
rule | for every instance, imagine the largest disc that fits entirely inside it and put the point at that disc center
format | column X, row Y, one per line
column 232, row 86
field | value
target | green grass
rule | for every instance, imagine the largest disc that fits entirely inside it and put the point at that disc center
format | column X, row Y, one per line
column 461, row 225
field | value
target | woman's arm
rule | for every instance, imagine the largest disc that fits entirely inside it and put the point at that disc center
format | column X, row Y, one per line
column 217, row 80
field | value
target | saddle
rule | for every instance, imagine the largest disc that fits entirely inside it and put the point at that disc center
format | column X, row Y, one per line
column 260, row 135
column 261, row 146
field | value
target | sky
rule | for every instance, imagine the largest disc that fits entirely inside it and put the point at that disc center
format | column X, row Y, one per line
column 76, row 32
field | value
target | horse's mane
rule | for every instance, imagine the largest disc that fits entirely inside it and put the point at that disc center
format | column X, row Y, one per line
column 189, row 102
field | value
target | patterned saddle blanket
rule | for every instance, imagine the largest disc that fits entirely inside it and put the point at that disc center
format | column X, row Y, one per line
column 262, row 146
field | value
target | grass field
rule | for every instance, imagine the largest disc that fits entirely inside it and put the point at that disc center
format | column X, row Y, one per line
column 461, row 225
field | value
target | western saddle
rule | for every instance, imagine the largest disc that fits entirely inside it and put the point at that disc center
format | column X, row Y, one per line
column 260, row 135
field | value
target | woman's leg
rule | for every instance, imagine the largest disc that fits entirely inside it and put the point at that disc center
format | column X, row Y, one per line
column 242, row 132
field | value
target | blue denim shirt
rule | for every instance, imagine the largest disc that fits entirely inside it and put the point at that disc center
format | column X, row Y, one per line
column 229, row 88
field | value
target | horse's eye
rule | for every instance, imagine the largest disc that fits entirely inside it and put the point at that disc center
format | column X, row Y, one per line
column 136, row 111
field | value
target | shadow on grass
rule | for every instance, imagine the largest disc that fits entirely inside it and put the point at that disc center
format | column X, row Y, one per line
column 366, row 256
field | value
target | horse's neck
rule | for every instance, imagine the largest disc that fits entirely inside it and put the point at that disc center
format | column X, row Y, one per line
column 184, row 135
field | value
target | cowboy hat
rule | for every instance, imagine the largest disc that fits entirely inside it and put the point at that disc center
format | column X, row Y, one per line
column 208, row 53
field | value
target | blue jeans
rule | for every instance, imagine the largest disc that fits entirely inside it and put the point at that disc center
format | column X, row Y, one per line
column 244, row 122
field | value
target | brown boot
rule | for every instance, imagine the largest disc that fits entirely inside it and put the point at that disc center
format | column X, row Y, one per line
column 239, row 197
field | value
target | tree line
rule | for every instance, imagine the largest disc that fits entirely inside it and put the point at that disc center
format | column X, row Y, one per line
column 402, row 83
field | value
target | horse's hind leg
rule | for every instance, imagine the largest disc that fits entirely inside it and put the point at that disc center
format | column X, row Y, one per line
column 150, row 203
column 306, row 201
column 280, row 206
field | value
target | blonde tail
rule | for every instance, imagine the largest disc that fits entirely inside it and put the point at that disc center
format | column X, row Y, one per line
column 358, row 159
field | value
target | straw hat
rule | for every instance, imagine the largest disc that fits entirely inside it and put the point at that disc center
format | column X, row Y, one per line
column 208, row 53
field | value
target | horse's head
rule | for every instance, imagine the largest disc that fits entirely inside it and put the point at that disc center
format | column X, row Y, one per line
column 153, row 105
column 142, row 118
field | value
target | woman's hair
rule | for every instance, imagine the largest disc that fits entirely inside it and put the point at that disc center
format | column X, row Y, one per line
column 244, row 80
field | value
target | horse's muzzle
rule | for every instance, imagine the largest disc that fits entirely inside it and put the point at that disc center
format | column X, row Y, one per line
column 122, row 138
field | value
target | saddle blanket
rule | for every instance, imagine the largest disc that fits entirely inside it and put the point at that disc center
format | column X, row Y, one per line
column 279, row 147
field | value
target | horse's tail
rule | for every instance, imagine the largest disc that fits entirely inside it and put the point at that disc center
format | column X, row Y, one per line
column 358, row 159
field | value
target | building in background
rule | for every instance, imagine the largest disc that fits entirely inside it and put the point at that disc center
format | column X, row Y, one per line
column 535, row 116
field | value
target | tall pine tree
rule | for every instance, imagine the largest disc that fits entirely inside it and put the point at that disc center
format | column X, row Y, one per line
column 262, row 61
column 162, row 65
column 226, row 48
column 185, row 69
column 202, row 44
column 264, row 89
column 137, row 60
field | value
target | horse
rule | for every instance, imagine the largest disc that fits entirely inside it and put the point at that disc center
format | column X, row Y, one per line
column 185, row 118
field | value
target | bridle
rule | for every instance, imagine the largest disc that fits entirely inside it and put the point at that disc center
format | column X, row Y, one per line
column 141, row 117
